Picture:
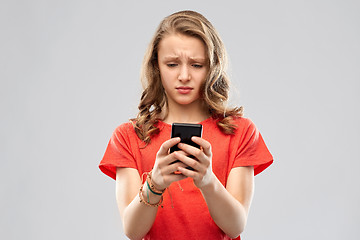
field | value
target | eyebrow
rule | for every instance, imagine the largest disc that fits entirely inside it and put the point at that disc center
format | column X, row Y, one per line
column 169, row 58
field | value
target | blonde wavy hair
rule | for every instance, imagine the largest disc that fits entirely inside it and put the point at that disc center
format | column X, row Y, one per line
column 215, row 90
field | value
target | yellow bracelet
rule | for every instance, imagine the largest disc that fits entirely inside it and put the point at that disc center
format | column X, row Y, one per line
column 142, row 200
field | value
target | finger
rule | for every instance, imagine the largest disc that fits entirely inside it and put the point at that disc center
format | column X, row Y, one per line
column 162, row 178
column 173, row 178
column 206, row 146
column 172, row 165
column 171, row 158
column 188, row 162
column 187, row 172
column 164, row 149
column 193, row 151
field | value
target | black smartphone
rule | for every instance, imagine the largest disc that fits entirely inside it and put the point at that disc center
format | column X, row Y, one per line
column 185, row 131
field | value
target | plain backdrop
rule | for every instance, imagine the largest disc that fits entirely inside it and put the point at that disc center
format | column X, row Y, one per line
column 69, row 73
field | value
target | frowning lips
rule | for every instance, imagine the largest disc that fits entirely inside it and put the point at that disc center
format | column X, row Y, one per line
column 184, row 89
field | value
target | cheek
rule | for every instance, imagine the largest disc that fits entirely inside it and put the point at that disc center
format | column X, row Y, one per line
column 167, row 78
column 165, row 74
column 202, row 84
column 165, row 82
column 201, row 77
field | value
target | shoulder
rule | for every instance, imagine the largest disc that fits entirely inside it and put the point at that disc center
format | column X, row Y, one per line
column 245, row 128
column 239, row 124
column 243, row 123
column 125, row 129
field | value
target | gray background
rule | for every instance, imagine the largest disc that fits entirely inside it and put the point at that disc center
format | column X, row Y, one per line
column 69, row 75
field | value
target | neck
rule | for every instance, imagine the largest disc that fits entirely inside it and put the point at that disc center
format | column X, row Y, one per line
column 190, row 113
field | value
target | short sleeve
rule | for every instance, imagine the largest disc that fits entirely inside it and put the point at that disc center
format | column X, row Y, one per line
column 252, row 150
column 118, row 152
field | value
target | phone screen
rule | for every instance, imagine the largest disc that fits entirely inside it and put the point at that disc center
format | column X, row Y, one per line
column 185, row 131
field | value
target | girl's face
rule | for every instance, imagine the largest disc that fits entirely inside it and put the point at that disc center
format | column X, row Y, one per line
column 183, row 68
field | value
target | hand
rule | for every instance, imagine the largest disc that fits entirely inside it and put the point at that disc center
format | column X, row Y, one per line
column 202, row 173
column 163, row 172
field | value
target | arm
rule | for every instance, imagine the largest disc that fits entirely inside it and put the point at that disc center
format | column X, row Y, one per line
column 138, row 218
column 228, row 206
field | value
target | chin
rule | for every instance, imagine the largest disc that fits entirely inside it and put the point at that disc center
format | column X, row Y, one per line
column 184, row 102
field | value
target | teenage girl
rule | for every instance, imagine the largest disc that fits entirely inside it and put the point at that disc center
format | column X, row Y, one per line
column 184, row 78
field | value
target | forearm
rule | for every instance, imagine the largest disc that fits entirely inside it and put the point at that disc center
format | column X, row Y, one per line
column 138, row 211
column 227, row 212
column 138, row 217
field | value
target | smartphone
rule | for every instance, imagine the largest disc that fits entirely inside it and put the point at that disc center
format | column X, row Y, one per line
column 185, row 131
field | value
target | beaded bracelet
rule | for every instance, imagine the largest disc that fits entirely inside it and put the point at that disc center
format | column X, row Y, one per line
column 151, row 185
column 142, row 200
column 148, row 185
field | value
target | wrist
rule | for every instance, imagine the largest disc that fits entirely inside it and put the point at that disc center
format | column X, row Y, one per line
column 149, row 194
column 150, row 197
column 210, row 185
column 154, row 188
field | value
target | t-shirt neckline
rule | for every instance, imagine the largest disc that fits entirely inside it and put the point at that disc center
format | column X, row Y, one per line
column 202, row 122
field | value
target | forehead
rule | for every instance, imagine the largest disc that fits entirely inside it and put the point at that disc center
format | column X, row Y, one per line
column 179, row 46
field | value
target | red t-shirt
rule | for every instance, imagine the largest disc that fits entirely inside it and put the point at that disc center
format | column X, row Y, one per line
column 184, row 214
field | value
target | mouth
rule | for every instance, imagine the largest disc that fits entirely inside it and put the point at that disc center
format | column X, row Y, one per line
column 184, row 90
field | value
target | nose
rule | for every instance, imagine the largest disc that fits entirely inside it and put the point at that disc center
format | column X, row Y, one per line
column 184, row 74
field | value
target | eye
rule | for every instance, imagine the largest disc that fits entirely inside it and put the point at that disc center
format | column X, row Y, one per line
column 171, row 64
column 197, row 65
